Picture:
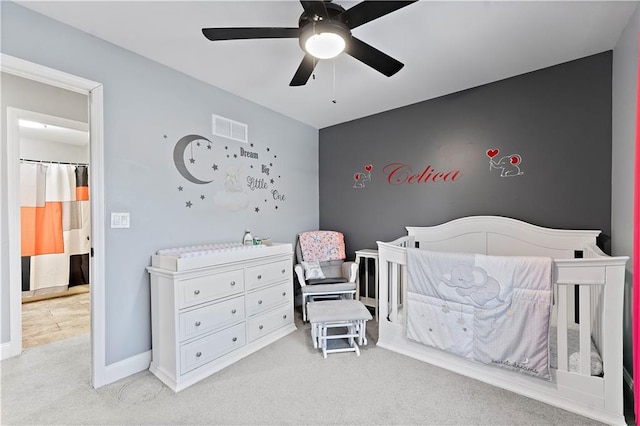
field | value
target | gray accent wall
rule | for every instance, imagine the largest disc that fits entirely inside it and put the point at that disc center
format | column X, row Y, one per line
column 147, row 109
column 558, row 120
column 625, row 83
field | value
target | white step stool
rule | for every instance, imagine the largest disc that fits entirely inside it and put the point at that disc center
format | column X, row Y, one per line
column 327, row 314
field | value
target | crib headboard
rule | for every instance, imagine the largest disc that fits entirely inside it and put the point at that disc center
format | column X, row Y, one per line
column 502, row 236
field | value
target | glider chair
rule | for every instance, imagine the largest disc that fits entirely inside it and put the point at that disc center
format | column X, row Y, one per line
column 321, row 269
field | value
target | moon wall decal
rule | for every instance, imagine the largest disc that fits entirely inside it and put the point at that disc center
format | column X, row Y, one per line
column 178, row 158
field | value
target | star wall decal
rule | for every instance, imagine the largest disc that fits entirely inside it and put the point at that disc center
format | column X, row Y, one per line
column 244, row 166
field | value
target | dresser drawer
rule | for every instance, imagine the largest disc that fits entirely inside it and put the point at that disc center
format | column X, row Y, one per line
column 267, row 298
column 264, row 324
column 203, row 289
column 210, row 317
column 202, row 351
column 269, row 273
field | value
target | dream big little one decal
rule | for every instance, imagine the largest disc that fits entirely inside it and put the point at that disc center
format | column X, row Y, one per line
column 234, row 177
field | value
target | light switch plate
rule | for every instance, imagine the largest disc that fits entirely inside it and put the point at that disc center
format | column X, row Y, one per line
column 120, row 220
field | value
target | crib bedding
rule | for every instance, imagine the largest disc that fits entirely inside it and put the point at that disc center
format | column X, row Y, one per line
column 573, row 343
column 492, row 309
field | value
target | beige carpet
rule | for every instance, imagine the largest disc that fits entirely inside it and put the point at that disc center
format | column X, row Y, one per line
column 287, row 382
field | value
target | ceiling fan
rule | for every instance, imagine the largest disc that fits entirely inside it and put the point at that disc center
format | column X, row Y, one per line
column 324, row 31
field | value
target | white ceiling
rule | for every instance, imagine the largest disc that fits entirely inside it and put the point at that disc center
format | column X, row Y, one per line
column 446, row 46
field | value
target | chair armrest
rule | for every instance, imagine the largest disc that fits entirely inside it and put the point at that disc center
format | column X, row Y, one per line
column 300, row 274
column 350, row 271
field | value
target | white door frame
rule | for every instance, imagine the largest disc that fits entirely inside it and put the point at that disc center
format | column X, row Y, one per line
column 94, row 91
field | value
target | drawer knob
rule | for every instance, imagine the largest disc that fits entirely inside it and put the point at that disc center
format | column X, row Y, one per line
column 259, row 277
column 259, row 302
column 198, row 354
column 283, row 271
column 233, row 283
column 261, row 327
column 196, row 292
column 233, row 311
column 235, row 339
column 284, row 293
column 284, row 316
column 198, row 323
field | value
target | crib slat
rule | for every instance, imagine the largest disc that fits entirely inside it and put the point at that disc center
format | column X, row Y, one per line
column 585, row 330
column 393, row 288
column 563, row 356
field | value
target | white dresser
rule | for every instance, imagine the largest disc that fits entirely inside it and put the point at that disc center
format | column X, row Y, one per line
column 212, row 308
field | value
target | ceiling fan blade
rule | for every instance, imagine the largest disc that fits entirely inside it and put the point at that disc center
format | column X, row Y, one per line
column 367, row 11
column 304, row 71
column 373, row 57
column 214, row 34
column 315, row 8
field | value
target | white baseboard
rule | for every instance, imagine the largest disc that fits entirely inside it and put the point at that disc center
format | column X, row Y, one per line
column 7, row 350
column 125, row 368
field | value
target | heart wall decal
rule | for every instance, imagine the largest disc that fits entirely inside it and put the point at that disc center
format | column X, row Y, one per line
column 492, row 152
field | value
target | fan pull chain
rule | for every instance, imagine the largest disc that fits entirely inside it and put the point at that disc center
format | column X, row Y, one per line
column 334, row 82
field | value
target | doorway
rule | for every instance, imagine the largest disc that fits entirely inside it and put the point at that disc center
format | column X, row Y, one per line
column 55, row 216
column 11, row 216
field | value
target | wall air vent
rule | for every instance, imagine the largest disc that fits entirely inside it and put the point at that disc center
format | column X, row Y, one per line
column 230, row 129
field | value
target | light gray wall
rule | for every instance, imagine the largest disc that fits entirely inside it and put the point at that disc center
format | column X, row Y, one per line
column 147, row 109
column 21, row 93
column 46, row 150
column 625, row 73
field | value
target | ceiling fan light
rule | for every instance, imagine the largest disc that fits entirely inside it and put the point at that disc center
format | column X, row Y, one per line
column 325, row 45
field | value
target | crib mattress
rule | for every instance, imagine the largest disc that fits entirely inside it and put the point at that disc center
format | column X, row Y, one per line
column 573, row 342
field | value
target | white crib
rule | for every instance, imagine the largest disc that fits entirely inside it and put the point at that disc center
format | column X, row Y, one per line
column 587, row 283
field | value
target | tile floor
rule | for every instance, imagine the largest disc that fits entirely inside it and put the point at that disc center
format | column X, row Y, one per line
column 47, row 321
